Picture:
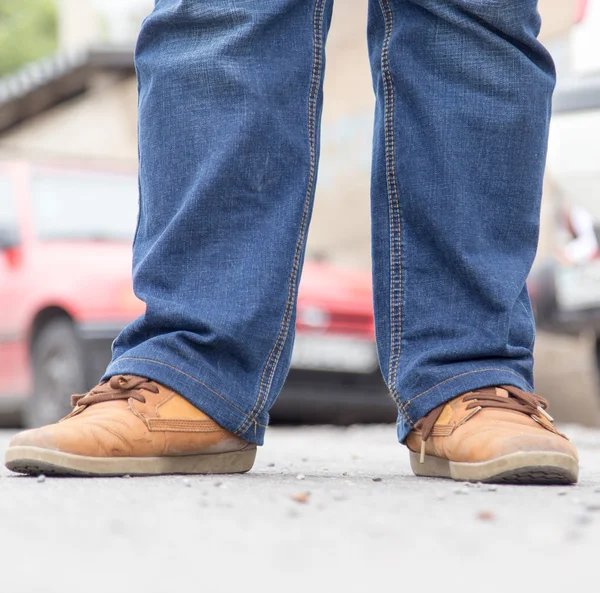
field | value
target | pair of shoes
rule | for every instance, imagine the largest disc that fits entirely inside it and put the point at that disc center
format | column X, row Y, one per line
column 131, row 425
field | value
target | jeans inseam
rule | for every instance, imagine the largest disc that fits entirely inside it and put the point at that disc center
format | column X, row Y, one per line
column 313, row 94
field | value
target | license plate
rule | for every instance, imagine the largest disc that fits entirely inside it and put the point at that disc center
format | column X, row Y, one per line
column 334, row 353
column 578, row 287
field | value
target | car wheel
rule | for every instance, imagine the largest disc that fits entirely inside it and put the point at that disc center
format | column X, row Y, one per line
column 543, row 299
column 597, row 352
column 58, row 372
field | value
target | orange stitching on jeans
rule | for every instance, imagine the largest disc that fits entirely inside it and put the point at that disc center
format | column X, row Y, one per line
column 313, row 95
column 396, row 287
column 136, row 359
column 410, row 401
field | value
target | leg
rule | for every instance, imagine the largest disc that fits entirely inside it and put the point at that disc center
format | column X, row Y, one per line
column 464, row 91
column 230, row 101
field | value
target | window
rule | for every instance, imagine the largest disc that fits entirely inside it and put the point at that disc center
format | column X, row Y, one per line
column 84, row 206
column 8, row 211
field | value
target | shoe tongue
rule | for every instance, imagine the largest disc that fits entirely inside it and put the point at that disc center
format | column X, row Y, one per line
column 502, row 392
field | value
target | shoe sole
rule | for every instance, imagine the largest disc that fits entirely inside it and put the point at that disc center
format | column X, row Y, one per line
column 35, row 461
column 518, row 468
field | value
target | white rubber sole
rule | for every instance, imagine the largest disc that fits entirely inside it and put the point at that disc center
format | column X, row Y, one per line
column 35, row 460
column 530, row 467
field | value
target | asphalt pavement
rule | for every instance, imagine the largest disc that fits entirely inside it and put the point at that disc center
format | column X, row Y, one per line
column 325, row 509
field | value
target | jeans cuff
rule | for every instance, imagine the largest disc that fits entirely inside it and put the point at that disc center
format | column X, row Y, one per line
column 420, row 405
column 198, row 393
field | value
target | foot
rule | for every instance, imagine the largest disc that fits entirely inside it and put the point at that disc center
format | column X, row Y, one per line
column 496, row 434
column 130, row 426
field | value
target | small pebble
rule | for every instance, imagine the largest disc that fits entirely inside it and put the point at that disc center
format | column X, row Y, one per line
column 305, row 459
column 486, row 516
column 300, row 477
column 301, row 497
column 271, row 465
column 593, row 507
column 440, row 496
column 461, row 491
column 562, row 492
column 187, row 483
column 345, row 474
column 377, row 479
column 219, row 484
column 492, row 488
column 41, row 478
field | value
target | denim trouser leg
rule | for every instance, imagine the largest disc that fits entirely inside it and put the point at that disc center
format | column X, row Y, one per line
column 229, row 117
column 463, row 103
column 230, row 96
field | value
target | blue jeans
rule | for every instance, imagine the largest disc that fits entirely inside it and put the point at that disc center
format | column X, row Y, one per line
column 230, row 105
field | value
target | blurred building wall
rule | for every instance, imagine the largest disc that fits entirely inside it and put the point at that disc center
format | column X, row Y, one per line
column 99, row 125
column 558, row 17
column 78, row 25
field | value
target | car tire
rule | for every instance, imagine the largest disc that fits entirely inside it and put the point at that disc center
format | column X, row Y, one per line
column 58, row 372
column 597, row 358
column 545, row 305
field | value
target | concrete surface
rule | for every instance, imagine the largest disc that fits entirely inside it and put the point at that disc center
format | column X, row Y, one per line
column 246, row 533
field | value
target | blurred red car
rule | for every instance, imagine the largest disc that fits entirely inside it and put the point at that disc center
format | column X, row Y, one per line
column 65, row 293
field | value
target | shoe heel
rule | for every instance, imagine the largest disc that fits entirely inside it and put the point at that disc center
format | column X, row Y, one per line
column 432, row 467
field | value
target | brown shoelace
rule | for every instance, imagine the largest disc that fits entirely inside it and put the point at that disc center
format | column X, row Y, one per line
column 118, row 387
column 518, row 400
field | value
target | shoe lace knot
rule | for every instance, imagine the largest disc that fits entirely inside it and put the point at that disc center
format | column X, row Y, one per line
column 518, row 401
column 115, row 388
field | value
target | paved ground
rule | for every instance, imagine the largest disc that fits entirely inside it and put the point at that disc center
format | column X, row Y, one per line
column 367, row 523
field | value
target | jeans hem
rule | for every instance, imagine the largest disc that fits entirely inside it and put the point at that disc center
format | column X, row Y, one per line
column 420, row 405
column 198, row 393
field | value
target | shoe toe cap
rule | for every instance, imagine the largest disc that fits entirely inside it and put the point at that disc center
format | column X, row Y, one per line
column 36, row 437
column 549, row 442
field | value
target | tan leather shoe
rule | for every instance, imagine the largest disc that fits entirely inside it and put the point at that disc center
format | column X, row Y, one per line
column 130, row 425
column 497, row 434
